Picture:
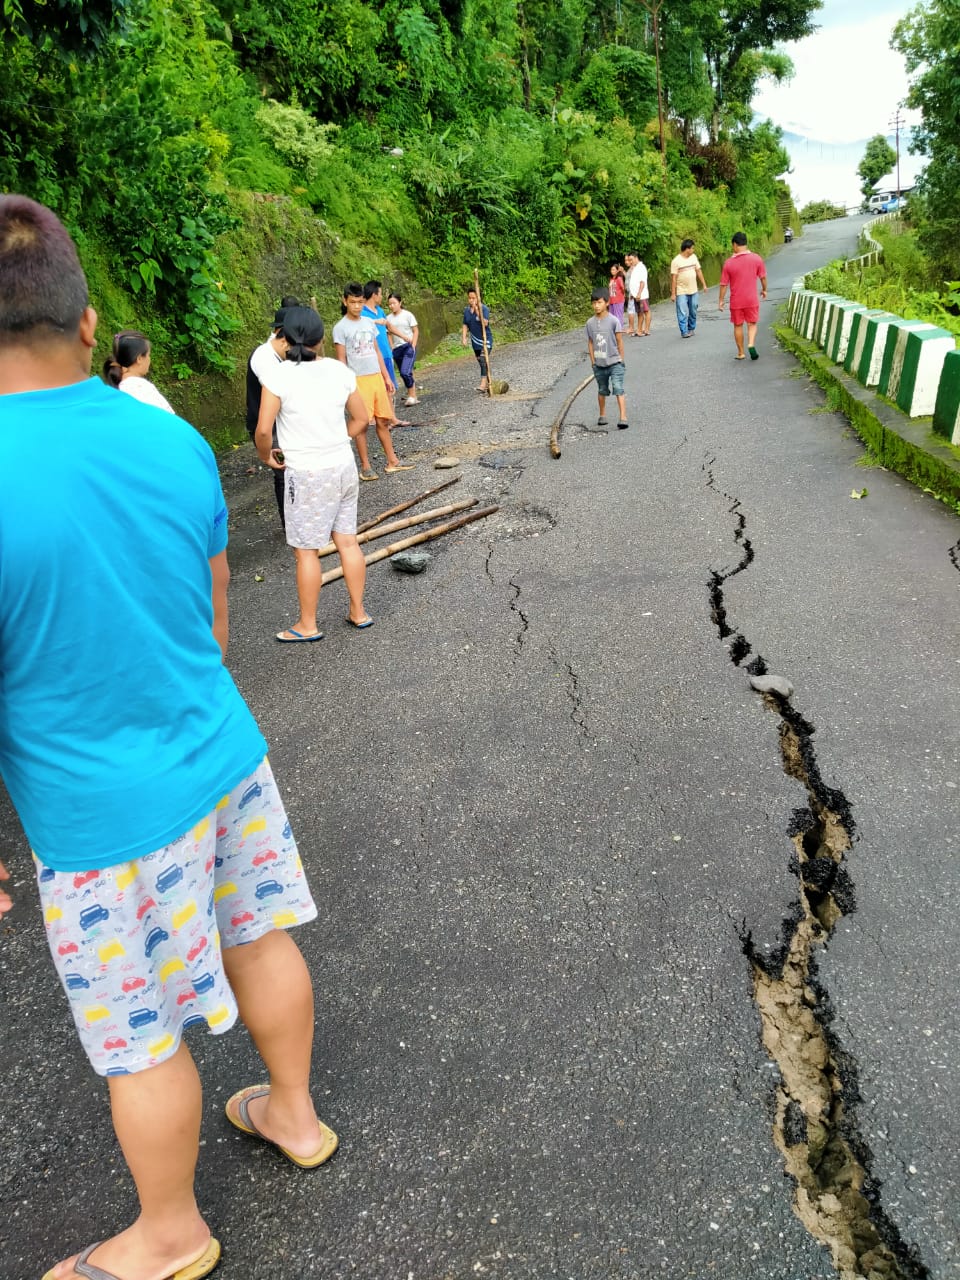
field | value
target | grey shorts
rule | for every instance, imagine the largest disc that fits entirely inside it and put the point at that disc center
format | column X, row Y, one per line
column 138, row 946
column 609, row 378
column 318, row 503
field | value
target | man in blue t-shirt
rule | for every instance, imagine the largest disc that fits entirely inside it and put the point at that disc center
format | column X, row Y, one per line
column 165, row 863
column 373, row 310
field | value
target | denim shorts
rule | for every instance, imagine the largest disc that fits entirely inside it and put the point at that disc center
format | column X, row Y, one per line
column 138, row 945
column 609, row 378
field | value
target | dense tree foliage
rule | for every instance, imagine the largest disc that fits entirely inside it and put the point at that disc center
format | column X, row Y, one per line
column 878, row 159
column 519, row 135
column 927, row 38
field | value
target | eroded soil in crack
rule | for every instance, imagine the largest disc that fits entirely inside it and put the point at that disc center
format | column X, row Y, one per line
column 815, row 1130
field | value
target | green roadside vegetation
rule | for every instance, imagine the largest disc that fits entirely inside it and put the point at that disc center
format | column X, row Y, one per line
column 210, row 155
column 904, row 282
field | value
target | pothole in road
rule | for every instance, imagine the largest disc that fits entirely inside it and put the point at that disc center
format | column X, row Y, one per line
column 526, row 521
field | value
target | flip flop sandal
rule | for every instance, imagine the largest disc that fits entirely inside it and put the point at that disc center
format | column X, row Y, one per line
column 328, row 1139
column 361, row 626
column 194, row 1270
column 296, row 637
column 401, row 466
column 369, row 475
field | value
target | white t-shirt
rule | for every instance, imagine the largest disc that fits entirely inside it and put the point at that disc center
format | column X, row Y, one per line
column 637, row 282
column 143, row 390
column 311, row 426
column 406, row 322
column 264, row 358
column 359, row 341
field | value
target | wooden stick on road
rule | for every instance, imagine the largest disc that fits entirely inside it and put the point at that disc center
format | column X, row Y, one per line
column 333, row 574
column 555, row 432
column 381, row 530
column 405, row 506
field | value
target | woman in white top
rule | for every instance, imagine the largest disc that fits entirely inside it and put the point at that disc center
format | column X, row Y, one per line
column 404, row 335
column 317, row 410
column 127, row 367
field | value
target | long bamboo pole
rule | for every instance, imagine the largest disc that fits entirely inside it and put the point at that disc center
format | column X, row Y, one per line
column 381, row 530
column 405, row 506
column 333, row 574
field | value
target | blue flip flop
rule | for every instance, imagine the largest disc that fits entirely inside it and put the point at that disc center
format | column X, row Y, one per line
column 294, row 637
column 361, row 626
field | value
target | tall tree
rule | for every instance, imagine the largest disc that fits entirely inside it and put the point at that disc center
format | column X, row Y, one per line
column 878, row 159
column 927, row 38
column 739, row 42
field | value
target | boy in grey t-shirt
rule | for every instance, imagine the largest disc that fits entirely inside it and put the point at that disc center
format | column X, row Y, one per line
column 605, row 347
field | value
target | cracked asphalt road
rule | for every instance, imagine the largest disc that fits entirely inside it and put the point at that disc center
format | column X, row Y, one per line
column 540, row 806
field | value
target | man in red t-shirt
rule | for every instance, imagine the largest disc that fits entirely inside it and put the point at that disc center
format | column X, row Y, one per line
column 741, row 273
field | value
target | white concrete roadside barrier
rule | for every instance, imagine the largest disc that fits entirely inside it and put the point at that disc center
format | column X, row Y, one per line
column 859, row 331
column 912, row 363
column 839, row 327
column 946, row 412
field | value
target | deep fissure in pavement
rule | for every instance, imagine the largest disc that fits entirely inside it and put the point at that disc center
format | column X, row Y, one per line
column 837, row 1199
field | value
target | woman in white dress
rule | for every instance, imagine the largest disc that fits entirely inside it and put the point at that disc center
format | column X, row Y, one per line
column 127, row 367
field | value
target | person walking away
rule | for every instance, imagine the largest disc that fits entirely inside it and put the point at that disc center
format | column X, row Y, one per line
column 269, row 353
column 127, row 366
column 740, row 274
column 605, row 349
column 316, row 409
column 617, row 290
column 473, row 328
column 355, row 342
column 404, row 338
column 134, row 764
column 685, row 271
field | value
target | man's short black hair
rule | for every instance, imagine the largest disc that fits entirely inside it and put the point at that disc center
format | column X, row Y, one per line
column 739, row 237
column 353, row 290
column 599, row 294
column 43, row 291
column 370, row 288
column 685, row 244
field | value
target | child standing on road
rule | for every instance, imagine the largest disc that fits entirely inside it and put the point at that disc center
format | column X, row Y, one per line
column 618, row 291
column 605, row 347
column 404, row 335
column 355, row 341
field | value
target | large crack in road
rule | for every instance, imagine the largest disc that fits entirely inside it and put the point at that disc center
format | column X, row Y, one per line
column 815, row 1128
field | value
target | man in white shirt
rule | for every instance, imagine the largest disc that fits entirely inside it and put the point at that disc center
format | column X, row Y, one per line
column 638, row 297
column 266, row 357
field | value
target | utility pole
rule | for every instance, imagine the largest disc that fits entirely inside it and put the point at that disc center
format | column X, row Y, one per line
column 897, row 124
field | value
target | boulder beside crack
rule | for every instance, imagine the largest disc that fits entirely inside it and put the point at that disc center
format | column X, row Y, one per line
column 446, row 462
column 410, row 561
column 769, row 683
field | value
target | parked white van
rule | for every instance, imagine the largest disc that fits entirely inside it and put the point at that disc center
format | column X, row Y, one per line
column 878, row 200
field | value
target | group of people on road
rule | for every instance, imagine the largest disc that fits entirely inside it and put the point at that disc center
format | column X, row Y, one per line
column 167, row 870
column 629, row 288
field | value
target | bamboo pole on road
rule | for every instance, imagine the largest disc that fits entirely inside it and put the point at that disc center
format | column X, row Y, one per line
column 381, row 530
column 333, row 574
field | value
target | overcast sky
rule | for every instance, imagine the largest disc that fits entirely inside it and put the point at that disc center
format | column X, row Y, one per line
column 847, row 87
column 848, row 80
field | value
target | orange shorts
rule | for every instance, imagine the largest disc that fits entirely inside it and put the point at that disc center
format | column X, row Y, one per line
column 374, row 391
